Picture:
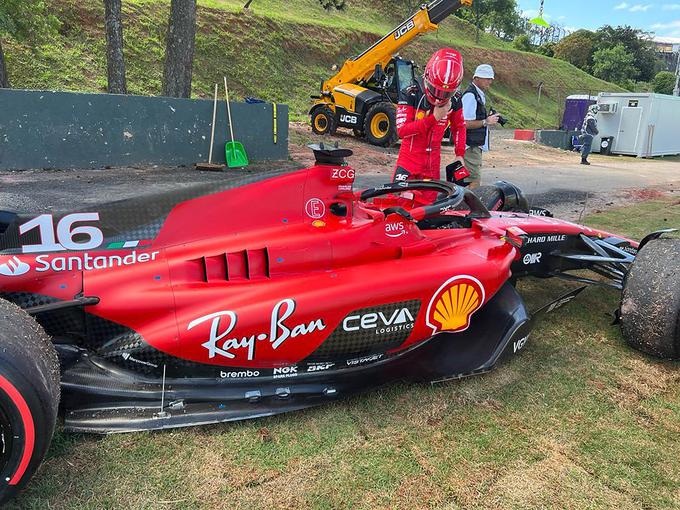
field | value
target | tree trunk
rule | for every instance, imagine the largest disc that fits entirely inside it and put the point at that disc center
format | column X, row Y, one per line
column 179, row 49
column 114, row 48
column 4, row 79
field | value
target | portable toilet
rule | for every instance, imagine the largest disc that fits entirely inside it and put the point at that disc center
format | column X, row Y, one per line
column 642, row 125
column 575, row 109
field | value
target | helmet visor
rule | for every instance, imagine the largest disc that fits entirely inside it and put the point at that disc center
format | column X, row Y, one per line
column 440, row 96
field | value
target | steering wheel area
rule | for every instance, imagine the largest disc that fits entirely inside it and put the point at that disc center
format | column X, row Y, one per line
column 453, row 196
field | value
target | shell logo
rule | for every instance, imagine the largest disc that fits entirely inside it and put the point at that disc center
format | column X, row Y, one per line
column 453, row 304
column 420, row 115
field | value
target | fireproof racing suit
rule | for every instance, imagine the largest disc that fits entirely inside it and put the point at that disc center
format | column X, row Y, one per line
column 421, row 136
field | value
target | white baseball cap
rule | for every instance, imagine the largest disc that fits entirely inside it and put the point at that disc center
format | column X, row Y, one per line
column 484, row 71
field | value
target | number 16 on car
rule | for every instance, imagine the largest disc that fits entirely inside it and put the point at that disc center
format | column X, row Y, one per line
column 64, row 236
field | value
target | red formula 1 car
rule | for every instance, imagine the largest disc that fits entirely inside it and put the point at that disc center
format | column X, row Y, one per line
column 280, row 292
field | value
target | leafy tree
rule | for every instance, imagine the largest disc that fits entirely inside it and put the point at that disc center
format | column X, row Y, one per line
column 664, row 83
column 505, row 21
column 522, row 43
column 577, row 49
column 615, row 65
column 25, row 20
column 179, row 49
column 636, row 42
column 500, row 17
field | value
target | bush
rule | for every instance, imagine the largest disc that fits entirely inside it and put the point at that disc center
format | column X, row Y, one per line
column 330, row 4
column 643, row 86
column 522, row 43
column 664, row 83
column 547, row 49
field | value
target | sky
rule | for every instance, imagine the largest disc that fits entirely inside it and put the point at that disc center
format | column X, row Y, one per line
column 659, row 16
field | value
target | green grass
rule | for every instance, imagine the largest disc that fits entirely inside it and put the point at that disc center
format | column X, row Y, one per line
column 578, row 420
column 279, row 51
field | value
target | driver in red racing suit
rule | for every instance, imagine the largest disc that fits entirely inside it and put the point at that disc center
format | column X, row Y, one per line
column 422, row 119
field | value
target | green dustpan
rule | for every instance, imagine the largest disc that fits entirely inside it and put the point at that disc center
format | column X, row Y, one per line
column 234, row 151
column 235, row 154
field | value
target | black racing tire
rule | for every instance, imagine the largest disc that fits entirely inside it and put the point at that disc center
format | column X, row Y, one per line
column 650, row 307
column 324, row 121
column 29, row 397
column 380, row 125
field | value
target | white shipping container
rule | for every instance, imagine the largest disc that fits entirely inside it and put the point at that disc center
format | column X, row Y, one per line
column 642, row 125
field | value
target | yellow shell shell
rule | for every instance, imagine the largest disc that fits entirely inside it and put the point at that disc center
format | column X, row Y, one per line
column 420, row 115
column 454, row 307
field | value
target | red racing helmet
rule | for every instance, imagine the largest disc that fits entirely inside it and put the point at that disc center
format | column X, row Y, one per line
column 443, row 75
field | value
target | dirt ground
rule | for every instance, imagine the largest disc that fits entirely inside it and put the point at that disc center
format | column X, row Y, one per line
column 550, row 177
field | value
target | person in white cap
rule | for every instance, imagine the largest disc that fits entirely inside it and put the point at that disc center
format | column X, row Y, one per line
column 478, row 121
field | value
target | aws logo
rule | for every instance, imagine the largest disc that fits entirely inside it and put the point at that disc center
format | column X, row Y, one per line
column 453, row 304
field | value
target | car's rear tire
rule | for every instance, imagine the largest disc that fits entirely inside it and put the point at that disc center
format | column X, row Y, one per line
column 29, row 397
column 650, row 307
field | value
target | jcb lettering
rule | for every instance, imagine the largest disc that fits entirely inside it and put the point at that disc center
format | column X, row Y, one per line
column 349, row 119
column 401, row 31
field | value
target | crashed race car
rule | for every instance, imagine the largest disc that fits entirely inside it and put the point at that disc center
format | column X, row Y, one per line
column 268, row 293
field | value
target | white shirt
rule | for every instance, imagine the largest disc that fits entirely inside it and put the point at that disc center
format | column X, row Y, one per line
column 470, row 110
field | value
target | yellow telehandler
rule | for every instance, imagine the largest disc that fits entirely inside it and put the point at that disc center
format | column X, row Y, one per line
column 363, row 94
